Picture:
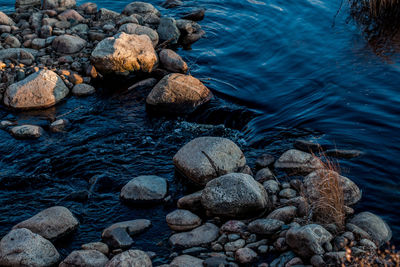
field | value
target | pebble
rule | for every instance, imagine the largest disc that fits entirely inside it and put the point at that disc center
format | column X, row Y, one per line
column 245, row 255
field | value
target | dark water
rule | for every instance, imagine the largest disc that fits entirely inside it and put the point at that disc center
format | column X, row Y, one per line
column 281, row 70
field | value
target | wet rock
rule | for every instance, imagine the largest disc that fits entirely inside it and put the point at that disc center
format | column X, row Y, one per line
column 70, row 15
column 341, row 153
column 234, row 195
column 132, row 28
column 233, row 226
column 83, row 89
column 265, row 226
column 283, row 259
column 6, row 20
column 271, row 186
column 298, row 162
column 357, row 231
column 27, row 132
column 172, row 62
column 12, row 41
column 264, row 175
column 145, row 189
column 39, row 90
column 202, row 235
column 317, row 261
column 52, row 223
column 23, row 4
column 186, row 260
column 352, row 194
column 68, row 44
column 62, row 4
column 182, row 220
column 234, row 245
column 105, row 14
column 379, row 231
column 285, row 214
column 308, row 240
column 59, row 125
column 118, row 238
column 172, row 3
column 191, row 202
column 307, row 146
column 131, row 258
column 168, row 31
column 38, row 43
column 5, row 124
column 140, row 8
column 264, row 161
column 99, row 246
column 23, row 55
column 196, row 15
column 89, row 8
column 21, row 247
column 124, row 53
column 287, row 193
column 87, row 258
column 178, row 93
column 245, row 255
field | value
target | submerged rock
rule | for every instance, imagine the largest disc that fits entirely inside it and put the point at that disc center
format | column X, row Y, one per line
column 27, row 132
column 145, row 189
column 182, row 220
column 341, row 153
column 234, row 195
column 124, row 53
column 178, row 93
column 298, row 162
column 87, row 258
column 21, row 247
column 131, row 258
column 196, row 15
column 119, row 234
column 206, row 158
column 199, row 236
column 52, row 223
column 39, row 90
column 377, row 228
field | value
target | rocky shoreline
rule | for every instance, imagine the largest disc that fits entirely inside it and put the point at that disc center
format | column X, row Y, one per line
column 241, row 213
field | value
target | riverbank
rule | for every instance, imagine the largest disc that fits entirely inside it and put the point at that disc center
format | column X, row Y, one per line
column 193, row 219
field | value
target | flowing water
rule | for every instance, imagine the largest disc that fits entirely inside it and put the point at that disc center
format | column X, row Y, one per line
column 280, row 70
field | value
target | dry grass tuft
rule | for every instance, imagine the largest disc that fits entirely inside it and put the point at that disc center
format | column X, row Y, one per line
column 388, row 258
column 329, row 206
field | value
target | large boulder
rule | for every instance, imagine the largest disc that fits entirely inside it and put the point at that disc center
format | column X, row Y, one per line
column 145, row 189
column 6, row 20
column 308, row 240
column 352, row 194
column 200, row 236
column 140, row 8
column 87, row 258
column 124, row 53
column 132, row 28
column 52, row 223
column 39, row 90
column 21, row 247
column 206, row 158
column 68, row 44
column 377, row 228
column 178, row 93
column 234, row 195
column 131, row 258
column 54, row 4
column 296, row 162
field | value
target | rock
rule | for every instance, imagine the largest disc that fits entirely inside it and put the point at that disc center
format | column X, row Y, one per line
column 199, row 236
column 105, row 14
column 264, row 161
column 335, row 258
column 215, row 262
column 285, row 214
column 234, row 195
column 271, row 186
column 287, row 193
column 341, row 153
column 308, row 240
column 70, row 15
column 196, row 15
column 140, row 8
column 59, row 125
column 379, row 231
column 307, row 146
column 191, row 202
column 52, row 223
column 83, row 89
column 145, row 189
column 168, row 31
column 178, row 93
column 99, row 246
column 265, row 226
column 23, row 4
column 233, row 226
column 172, row 3
column 172, row 62
column 131, row 258
column 46, row 31
column 5, row 29
column 352, row 194
column 89, row 8
column 68, row 44
column 182, row 220
column 368, row 244
column 124, row 53
column 38, row 43
column 6, row 20
column 118, row 238
column 186, row 260
column 39, row 90
column 119, row 234
column 19, row 54
column 12, row 41
column 298, row 162
column 144, row 84
column 264, row 175
column 131, row 28
column 283, row 259
column 55, row 4
column 27, row 132
column 245, row 255
column 357, row 231
column 317, row 261
column 234, row 245
column 21, row 247
column 87, row 258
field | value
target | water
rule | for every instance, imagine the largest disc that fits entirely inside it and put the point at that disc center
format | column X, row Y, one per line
column 281, row 70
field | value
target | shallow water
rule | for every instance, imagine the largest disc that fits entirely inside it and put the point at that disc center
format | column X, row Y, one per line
column 281, row 70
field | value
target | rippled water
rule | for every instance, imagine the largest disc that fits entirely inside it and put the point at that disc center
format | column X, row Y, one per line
column 280, row 69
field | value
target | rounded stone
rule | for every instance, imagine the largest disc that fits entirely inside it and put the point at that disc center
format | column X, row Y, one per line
column 296, row 162
column 377, row 228
column 68, row 44
column 183, row 220
column 87, row 258
column 131, row 258
column 26, row 132
column 199, row 236
column 83, row 89
column 144, row 189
